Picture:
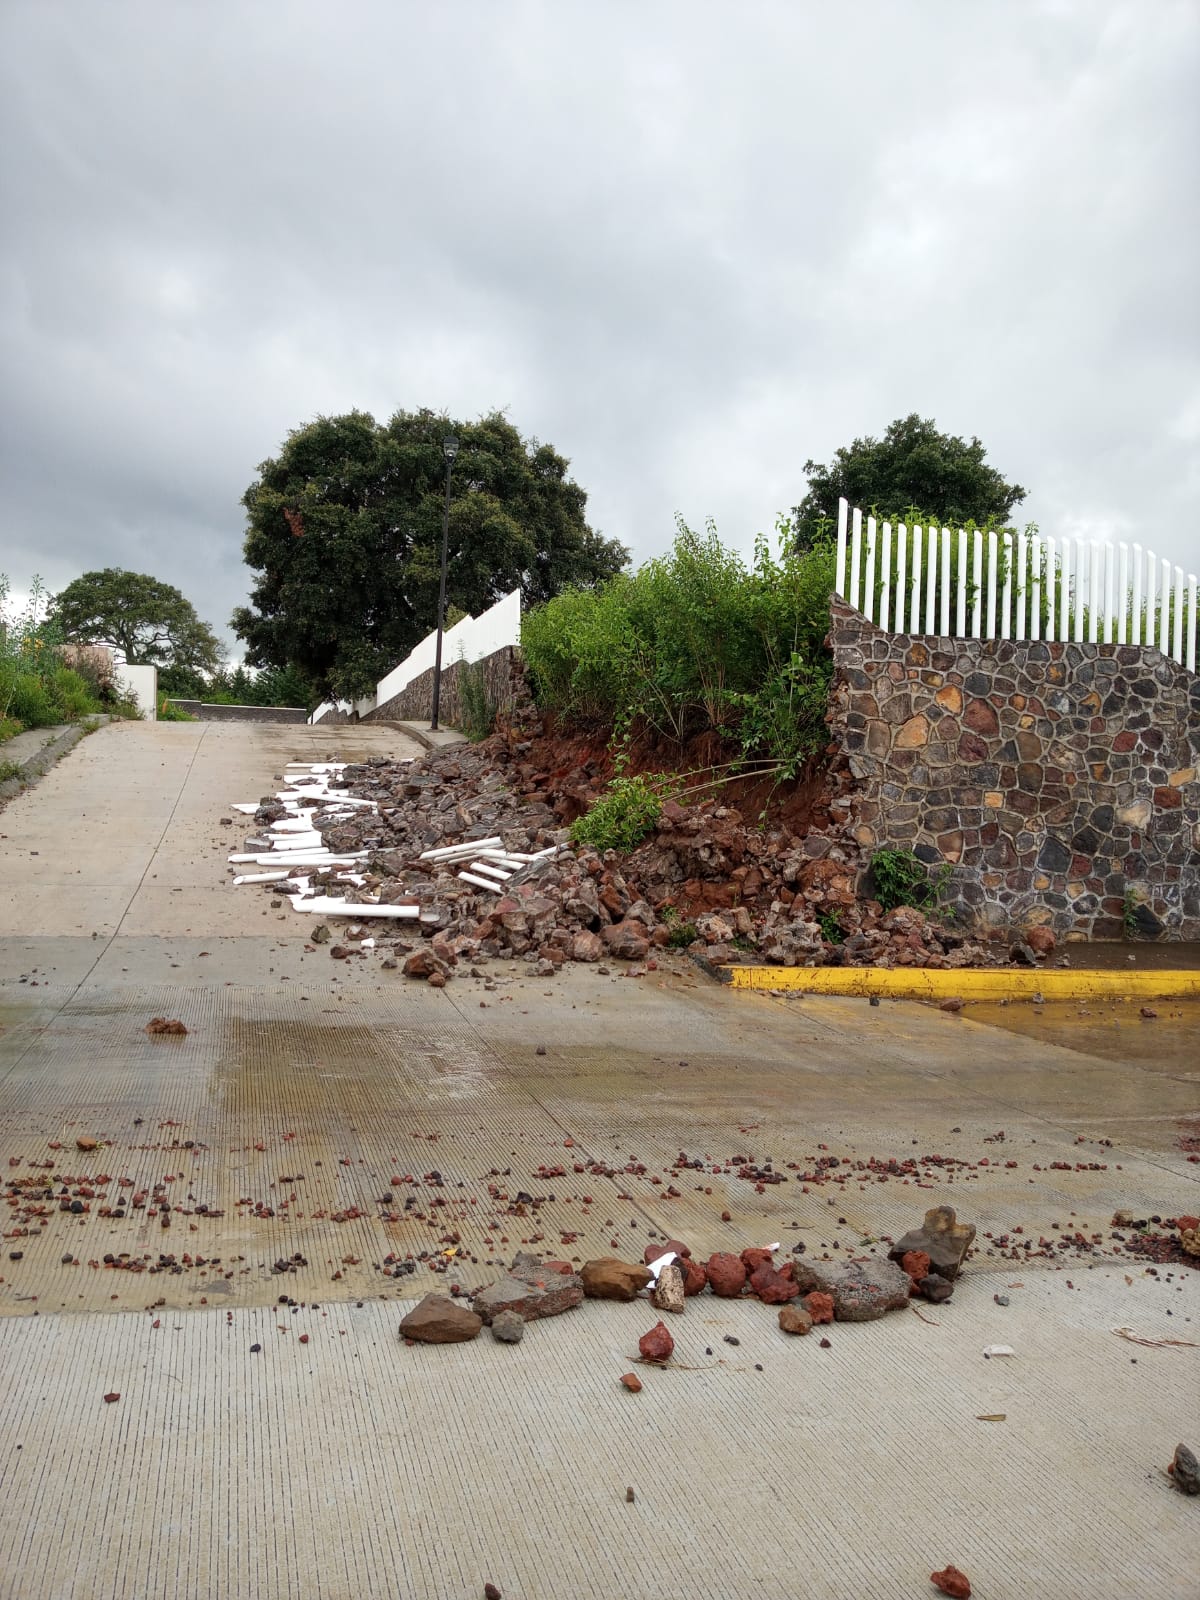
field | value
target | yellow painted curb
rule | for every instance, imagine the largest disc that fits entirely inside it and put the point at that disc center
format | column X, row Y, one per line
column 968, row 983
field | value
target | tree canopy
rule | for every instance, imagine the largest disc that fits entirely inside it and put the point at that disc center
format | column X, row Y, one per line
column 148, row 622
column 344, row 531
column 912, row 465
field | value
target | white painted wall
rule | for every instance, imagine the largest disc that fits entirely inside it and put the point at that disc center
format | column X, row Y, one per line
column 142, row 684
column 469, row 640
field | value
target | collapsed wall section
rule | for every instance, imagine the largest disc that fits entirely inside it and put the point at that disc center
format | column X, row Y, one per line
column 1059, row 782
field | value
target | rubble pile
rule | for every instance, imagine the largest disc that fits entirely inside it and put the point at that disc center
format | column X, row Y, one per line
column 861, row 1289
column 470, row 847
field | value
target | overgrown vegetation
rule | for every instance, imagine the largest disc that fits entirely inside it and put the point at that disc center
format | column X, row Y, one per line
column 477, row 716
column 37, row 688
column 900, row 878
column 625, row 813
column 697, row 641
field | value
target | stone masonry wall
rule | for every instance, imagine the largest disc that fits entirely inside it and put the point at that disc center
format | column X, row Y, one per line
column 214, row 712
column 500, row 676
column 1061, row 782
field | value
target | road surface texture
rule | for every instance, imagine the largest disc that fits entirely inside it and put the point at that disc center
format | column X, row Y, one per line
column 311, row 1099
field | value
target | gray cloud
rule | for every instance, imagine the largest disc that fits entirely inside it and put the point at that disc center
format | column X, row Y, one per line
column 691, row 245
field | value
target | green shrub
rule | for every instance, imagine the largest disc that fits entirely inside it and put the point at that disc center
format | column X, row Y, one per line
column 899, row 878
column 696, row 640
column 29, row 701
column 71, row 693
column 625, row 813
column 478, row 709
column 168, row 711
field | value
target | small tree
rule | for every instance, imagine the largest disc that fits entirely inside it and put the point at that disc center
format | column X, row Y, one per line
column 912, row 465
column 147, row 622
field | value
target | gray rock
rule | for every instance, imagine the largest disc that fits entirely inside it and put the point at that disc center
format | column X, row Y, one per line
column 508, row 1327
column 531, row 1290
column 861, row 1290
column 1185, row 1469
column 320, row 934
column 943, row 1239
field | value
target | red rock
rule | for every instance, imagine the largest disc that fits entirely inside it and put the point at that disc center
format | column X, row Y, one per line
column 952, row 1582
column 694, row 1276
column 653, row 1251
column 658, row 1344
column 726, row 1274
column 109, row 1398
column 631, row 1380
column 819, row 1306
column 752, row 1259
column 587, row 947
column 438, row 1320
column 773, row 1288
column 627, row 941
column 1187, row 1224
column 564, row 1268
column 437, row 980
column 916, row 1264
column 1041, row 940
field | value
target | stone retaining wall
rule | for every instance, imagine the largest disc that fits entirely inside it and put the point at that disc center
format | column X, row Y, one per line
column 219, row 713
column 501, row 676
column 1060, row 782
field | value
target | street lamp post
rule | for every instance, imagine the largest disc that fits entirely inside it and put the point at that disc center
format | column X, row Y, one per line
column 450, row 450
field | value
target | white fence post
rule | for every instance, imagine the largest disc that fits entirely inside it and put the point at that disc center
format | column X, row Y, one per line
column 931, row 563
column 855, row 560
column 1003, row 585
column 885, row 585
column 840, row 581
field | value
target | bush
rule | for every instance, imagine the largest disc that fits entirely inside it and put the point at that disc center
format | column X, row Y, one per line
column 29, row 701
column 694, row 641
column 478, row 709
column 899, row 878
column 169, row 712
column 625, row 813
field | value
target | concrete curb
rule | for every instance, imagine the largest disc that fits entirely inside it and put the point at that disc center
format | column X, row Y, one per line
column 35, row 766
column 443, row 739
column 966, row 983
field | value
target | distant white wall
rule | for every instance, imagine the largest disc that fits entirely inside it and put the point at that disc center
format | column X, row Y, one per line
column 141, row 683
column 469, row 640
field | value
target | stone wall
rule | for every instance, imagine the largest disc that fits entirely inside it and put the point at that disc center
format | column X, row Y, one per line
column 1060, row 782
column 501, row 676
column 219, row 713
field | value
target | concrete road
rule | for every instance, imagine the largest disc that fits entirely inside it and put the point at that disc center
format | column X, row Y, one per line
column 343, row 1115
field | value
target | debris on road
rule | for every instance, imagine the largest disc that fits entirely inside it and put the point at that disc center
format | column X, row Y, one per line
column 657, row 1345
column 632, row 1382
column 439, row 1320
column 508, row 1327
column 165, row 1025
column 941, row 1237
column 952, row 1582
column 1185, row 1470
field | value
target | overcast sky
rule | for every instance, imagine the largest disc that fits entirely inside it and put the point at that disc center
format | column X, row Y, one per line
column 691, row 245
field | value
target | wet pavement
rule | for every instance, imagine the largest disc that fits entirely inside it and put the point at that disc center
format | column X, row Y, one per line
column 323, row 1123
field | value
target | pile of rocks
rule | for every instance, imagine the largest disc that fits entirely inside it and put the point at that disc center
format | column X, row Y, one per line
column 706, row 880
column 925, row 1262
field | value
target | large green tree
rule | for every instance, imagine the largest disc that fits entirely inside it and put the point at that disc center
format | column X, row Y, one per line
column 912, row 465
column 148, row 622
column 344, row 536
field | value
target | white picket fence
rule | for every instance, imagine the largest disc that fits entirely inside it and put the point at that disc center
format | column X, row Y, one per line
column 1001, row 585
column 469, row 640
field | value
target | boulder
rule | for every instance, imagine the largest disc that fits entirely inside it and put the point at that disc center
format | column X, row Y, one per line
column 941, row 1237
column 726, row 1274
column 627, row 941
column 860, row 1291
column 439, row 1320
column 532, row 1288
column 610, row 1279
